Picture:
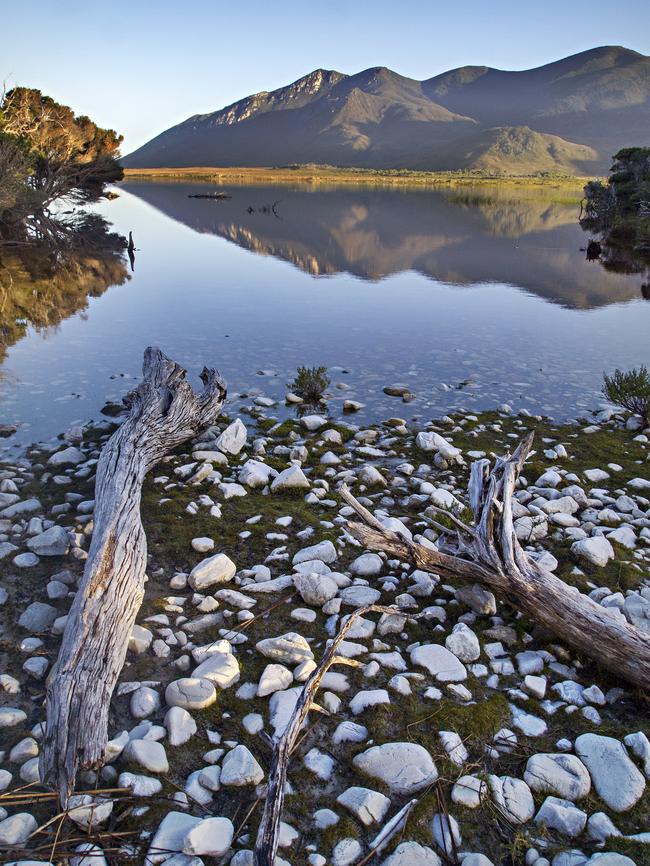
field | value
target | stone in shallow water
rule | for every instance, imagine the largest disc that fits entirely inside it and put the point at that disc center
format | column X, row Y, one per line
column 562, row 775
column 404, row 767
column 441, row 663
column 616, row 779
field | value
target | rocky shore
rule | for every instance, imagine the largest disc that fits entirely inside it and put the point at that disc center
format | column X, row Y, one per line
column 513, row 749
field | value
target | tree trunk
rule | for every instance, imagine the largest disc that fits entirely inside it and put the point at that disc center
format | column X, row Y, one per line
column 488, row 552
column 164, row 413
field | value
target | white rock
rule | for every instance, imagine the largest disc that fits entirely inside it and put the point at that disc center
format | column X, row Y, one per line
column 315, row 589
column 233, row 438
column 513, row 797
column 324, row 550
column 222, row 669
column 144, row 702
column 440, row 663
column 368, row 698
column 292, row 478
column 367, row 565
column 202, row 544
column 320, row 764
column 366, row 805
column 463, row 643
column 616, row 779
column 404, row 767
column 274, row 678
column 180, row 726
column 596, row 550
column 170, row 836
column 17, row 829
column 562, row 775
column 87, row 811
column 562, row 816
column 212, row 837
column 191, row 693
column 67, row 457
column 255, row 474
column 469, row 791
column 141, row 786
column 446, row 833
column 148, row 754
column 412, row 854
column 239, row 767
column 346, row 852
column 290, row 648
column 213, row 570
column 55, row 541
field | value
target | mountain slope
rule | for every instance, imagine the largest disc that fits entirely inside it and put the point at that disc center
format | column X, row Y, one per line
column 571, row 115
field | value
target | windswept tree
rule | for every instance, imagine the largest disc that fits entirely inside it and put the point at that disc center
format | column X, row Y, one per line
column 47, row 153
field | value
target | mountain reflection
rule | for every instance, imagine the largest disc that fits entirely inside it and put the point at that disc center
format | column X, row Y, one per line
column 463, row 236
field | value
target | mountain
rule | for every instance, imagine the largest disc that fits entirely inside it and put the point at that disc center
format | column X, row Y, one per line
column 568, row 116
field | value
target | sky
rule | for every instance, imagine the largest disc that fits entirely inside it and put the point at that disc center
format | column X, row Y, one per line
column 141, row 66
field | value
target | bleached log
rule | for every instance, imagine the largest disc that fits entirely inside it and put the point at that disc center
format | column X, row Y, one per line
column 164, row 413
column 489, row 553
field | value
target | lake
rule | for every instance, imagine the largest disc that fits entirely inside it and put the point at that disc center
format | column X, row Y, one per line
column 471, row 297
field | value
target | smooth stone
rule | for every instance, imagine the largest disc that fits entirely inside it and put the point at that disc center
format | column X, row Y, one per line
column 404, row 767
column 412, row 854
column 55, row 541
column 562, row 816
column 180, row 726
column 148, row 754
column 170, row 836
column 564, row 776
column 222, row 669
column 211, row 571
column 366, row 805
column 597, row 550
column 191, row 693
column 17, row 828
column 212, row 837
column 233, row 438
column 291, row 648
column 513, row 798
column 239, row 767
column 440, row 662
column 617, row 780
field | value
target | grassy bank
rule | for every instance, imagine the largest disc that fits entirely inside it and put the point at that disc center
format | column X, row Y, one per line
column 310, row 174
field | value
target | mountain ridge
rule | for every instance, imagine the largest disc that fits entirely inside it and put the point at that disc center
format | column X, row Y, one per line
column 577, row 112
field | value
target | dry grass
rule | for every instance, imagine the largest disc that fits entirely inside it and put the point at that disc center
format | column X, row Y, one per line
column 323, row 175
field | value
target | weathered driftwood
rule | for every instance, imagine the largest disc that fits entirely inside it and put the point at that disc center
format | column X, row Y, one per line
column 266, row 844
column 164, row 413
column 489, row 553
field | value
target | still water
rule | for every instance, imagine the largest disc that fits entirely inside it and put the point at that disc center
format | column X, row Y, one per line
column 470, row 297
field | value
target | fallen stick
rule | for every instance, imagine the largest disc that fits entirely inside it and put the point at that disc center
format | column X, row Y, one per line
column 266, row 844
column 489, row 553
column 164, row 413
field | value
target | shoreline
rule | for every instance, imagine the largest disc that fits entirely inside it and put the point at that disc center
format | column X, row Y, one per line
column 320, row 175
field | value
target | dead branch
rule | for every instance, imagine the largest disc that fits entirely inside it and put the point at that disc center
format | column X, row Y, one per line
column 489, row 553
column 266, row 845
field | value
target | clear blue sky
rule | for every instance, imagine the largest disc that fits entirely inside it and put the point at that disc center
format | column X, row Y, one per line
column 141, row 66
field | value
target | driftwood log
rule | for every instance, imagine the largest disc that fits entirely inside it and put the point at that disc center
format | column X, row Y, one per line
column 268, row 834
column 164, row 413
column 488, row 552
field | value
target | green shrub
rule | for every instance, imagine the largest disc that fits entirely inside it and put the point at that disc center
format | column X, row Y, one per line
column 630, row 390
column 310, row 383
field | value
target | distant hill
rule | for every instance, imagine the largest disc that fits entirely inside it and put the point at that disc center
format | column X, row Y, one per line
column 568, row 116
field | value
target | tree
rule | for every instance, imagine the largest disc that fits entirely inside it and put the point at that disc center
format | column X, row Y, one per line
column 47, row 153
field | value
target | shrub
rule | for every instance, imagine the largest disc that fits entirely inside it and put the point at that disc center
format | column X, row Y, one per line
column 310, row 383
column 630, row 390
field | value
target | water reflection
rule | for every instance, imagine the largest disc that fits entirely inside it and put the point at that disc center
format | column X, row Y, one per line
column 463, row 237
column 43, row 283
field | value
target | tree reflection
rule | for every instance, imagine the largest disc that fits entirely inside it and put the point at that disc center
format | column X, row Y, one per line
column 50, row 269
